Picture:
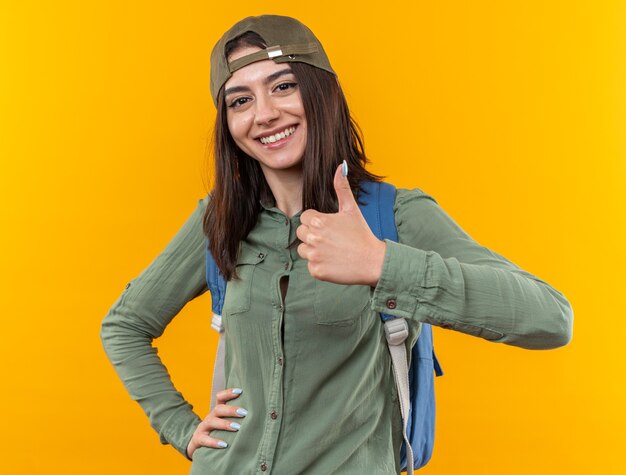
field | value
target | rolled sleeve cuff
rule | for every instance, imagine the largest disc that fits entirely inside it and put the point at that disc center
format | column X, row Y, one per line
column 402, row 277
column 178, row 430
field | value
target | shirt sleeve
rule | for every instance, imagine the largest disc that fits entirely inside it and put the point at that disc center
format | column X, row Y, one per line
column 141, row 313
column 439, row 275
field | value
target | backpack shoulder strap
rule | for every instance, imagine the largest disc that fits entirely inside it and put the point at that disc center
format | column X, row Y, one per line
column 376, row 203
column 377, row 206
column 217, row 286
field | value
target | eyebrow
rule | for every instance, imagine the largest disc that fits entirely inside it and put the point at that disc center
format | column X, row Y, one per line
column 267, row 80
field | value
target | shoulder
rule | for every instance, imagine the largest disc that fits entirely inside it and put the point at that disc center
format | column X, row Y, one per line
column 407, row 197
column 194, row 223
column 422, row 221
column 203, row 202
column 201, row 206
column 416, row 211
column 407, row 203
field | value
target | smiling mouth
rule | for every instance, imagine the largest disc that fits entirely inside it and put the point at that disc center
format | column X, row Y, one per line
column 279, row 136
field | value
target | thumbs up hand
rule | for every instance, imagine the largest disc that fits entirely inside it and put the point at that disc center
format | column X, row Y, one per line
column 340, row 247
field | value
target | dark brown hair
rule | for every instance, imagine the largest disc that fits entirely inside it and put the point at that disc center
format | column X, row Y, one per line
column 332, row 136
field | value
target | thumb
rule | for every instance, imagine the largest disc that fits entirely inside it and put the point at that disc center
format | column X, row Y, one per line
column 345, row 197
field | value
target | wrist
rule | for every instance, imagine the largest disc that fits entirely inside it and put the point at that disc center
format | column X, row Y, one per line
column 190, row 449
column 378, row 259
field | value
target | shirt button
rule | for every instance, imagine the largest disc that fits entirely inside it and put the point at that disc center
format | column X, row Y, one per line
column 286, row 265
column 280, row 360
column 261, row 255
column 286, row 221
column 280, row 308
column 263, row 467
column 274, row 415
column 391, row 303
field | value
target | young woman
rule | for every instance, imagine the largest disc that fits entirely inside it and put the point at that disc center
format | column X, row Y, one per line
column 310, row 386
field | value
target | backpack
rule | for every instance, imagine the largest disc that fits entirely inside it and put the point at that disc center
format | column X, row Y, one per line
column 415, row 383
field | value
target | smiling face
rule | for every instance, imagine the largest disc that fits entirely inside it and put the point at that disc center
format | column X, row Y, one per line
column 265, row 113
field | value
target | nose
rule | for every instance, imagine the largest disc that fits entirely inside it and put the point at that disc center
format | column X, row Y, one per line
column 266, row 110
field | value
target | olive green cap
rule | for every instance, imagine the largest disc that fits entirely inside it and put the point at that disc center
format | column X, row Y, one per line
column 288, row 40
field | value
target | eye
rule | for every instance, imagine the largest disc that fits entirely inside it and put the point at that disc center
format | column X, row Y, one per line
column 238, row 102
column 285, row 86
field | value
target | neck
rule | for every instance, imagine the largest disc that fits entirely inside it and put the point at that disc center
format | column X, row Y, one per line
column 286, row 186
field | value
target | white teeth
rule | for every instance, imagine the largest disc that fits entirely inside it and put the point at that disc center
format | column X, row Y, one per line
column 278, row 136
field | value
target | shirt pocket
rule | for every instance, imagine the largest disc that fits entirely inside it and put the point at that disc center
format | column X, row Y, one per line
column 238, row 291
column 339, row 305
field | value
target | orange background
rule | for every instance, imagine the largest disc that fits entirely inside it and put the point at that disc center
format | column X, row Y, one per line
column 511, row 114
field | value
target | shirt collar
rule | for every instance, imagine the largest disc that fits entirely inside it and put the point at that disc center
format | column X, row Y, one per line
column 268, row 205
column 272, row 210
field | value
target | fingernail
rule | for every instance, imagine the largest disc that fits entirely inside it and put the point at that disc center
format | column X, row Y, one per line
column 242, row 412
column 234, row 425
column 344, row 168
column 222, row 444
column 237, row 391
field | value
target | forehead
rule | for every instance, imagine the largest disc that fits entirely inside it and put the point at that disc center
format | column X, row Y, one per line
column 254, row 72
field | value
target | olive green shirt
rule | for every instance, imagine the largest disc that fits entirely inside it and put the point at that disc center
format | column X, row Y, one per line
column 315, row 369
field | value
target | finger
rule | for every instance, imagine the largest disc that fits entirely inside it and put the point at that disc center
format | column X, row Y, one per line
column 224, row 410
column 311, row 217
column 345, row 197
column 228, row 394
column 217, row 423
column 308, row 237
column 302, row 232
column 303, row 250
column 208, row 441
